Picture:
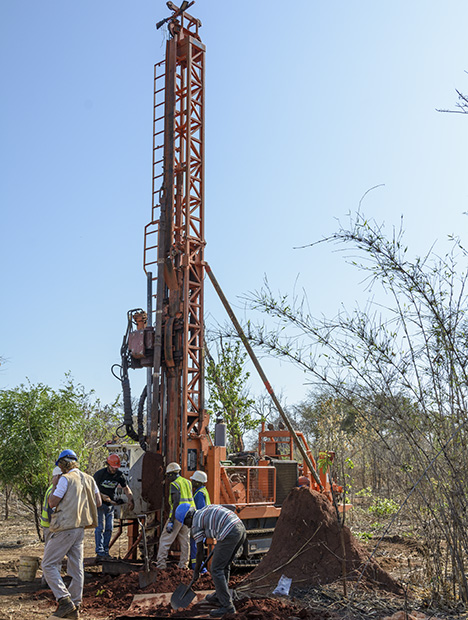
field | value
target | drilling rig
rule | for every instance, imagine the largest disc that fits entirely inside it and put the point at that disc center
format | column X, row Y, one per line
column 167, row 337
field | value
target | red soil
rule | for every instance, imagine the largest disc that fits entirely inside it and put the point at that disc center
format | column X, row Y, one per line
column 247, row 609
column 274, row 609
column 116, row 593
column 307, row 547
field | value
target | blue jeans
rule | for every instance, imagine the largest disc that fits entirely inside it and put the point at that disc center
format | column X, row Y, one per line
column 103, row 531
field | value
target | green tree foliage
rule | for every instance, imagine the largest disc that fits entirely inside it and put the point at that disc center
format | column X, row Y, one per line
column 36, row 423
column 322, row 414
column 228, row 397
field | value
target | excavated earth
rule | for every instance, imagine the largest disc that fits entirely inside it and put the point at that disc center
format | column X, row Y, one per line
column 311, row 548
column 106, row 596
column 255, row 609
column 307, row 547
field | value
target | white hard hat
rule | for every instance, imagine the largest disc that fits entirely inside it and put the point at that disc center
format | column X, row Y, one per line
column 172, row 468
column 56, row 471
column 199, row 476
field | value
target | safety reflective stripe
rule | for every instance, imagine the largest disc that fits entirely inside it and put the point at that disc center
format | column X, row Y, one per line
column 184, row 487
column 203, row 491
column 45, row 508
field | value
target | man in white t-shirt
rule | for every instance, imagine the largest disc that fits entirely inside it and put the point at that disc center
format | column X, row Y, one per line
column 74, row 503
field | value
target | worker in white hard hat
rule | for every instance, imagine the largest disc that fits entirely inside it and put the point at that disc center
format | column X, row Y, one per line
column 180, row 492
column 201, row 498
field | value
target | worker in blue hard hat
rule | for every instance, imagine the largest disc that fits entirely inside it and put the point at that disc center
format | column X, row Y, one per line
column 66, row 455
column 201, row 498
column 74, row 503
column 180, row 493
column 224, row 525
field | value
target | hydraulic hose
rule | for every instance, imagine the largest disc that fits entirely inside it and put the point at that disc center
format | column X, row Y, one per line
column 128, row 412
column 141, row 428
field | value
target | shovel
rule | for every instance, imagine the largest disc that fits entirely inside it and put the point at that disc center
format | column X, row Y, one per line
column 184, row 595
column 147, row 576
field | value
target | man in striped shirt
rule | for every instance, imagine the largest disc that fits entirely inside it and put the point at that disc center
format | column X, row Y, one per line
column 217, row 522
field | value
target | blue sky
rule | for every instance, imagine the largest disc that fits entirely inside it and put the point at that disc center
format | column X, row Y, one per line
column 308, row 105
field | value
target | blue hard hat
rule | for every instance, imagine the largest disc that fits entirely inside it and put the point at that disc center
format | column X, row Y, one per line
column 66, row 454
column 181, row 512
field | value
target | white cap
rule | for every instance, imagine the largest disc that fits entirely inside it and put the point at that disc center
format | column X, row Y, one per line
column 56, row 471
column 199, row 476
column 172, row 468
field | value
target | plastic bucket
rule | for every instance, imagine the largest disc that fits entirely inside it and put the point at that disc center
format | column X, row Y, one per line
column 28, row 565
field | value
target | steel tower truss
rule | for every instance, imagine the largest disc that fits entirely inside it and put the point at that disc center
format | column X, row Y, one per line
column 174, row 247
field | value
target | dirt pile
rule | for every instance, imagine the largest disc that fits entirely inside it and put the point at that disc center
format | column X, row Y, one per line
column 116, row 593
column 307, row 547
column 274, row 609
column 247, row 609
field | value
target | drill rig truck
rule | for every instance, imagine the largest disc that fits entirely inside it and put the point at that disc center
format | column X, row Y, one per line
column 167, row 337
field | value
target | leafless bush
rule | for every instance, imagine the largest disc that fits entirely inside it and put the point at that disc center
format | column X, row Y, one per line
column 402, row 367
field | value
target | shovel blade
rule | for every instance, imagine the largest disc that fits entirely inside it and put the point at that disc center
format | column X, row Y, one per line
column 182, row 597
column 147, row 577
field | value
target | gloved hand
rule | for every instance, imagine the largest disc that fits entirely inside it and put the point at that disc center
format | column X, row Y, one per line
column 169, row 527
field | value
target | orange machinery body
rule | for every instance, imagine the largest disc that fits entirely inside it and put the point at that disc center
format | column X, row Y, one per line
column 278, row 444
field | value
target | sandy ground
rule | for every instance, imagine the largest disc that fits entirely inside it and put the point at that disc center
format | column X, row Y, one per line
column 28, row 600
column 18, row 538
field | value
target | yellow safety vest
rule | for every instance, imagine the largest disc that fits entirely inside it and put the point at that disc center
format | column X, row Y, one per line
column 184, row 487
column 203, row 491
column 45, row 521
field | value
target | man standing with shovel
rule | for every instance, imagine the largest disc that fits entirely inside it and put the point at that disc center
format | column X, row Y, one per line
column 217, row 522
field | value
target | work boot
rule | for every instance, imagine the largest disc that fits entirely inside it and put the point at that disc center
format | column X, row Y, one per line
column 65, row 608
column 218, row 613
column 212, row 598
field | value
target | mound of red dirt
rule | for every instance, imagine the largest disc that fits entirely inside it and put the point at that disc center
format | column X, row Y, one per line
column 307, row 546
column 274, row 609
column 247, row 609
column 116, row 593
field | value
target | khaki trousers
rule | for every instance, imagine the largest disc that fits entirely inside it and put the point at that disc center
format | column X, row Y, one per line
column 47, row 533
column 182, row 533
column 60, row 544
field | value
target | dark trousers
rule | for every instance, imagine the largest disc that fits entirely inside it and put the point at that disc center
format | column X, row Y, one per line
column 224, row 553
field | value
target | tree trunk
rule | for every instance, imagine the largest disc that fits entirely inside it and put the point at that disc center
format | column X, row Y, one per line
column 37, row 520
column 7, row 501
